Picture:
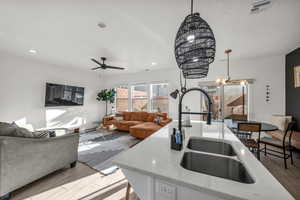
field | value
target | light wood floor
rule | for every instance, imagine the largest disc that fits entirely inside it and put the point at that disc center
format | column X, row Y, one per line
column 84, row 183
column 79, row 183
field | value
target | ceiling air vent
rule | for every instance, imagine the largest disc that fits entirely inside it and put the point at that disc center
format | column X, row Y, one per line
column 260, row 5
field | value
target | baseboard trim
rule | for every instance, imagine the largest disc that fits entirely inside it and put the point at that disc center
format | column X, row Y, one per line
column 90, row 129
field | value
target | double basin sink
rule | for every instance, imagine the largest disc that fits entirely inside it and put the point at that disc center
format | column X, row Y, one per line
column 215, row 158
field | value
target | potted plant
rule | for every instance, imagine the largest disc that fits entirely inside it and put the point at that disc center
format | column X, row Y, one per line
column 107, row 95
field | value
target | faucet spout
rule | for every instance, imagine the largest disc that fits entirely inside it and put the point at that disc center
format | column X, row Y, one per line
column 208, row 121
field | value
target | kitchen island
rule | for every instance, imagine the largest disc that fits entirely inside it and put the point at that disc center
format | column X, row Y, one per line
column 155, row 171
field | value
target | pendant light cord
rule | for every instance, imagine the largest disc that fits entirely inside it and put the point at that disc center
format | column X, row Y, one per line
column 228, row 51
column 181, row 85
column 192, row 5
column 228, row 65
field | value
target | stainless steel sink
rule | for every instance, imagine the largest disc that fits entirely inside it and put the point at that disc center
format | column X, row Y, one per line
column 219, row 166
column 216, row 147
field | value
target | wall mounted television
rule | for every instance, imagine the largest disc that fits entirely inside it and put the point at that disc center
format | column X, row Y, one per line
column 63, row 95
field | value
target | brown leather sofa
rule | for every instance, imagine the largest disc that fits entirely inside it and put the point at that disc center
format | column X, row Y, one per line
column 139, row 124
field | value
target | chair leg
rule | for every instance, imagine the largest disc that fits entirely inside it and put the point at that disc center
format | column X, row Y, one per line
column 291, row 155
column 258, row 153
column 284, row 157
column 265, row 149
column 128, row 191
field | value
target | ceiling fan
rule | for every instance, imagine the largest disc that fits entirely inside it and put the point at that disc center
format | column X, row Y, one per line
column 103, row 65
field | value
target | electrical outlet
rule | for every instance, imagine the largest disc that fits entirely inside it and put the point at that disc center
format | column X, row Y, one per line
column 165, row 191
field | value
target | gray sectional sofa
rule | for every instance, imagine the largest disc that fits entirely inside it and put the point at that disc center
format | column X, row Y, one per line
column 24, row 160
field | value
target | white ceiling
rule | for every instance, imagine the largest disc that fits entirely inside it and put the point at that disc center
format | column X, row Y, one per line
column 140, row 32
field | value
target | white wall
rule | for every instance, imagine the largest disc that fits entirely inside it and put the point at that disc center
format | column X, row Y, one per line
column 268, row 70
column 22, row 90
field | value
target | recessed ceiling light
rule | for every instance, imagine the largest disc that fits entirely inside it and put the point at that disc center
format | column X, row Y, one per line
column 32, row 51
column 101, row 25
column 153, row 63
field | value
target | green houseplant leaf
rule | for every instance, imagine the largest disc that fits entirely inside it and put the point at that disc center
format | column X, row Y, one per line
column 106, row 95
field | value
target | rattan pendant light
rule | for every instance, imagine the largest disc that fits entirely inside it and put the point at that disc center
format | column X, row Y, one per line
column 195, row 46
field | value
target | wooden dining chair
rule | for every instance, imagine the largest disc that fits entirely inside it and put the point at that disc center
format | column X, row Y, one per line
column 245, row 131
column 284, row 145
column 237, row 117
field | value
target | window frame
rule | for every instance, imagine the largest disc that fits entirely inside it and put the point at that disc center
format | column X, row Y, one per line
column 132, row 94
column 148, row 86
column 128, row 103
column 151, row 95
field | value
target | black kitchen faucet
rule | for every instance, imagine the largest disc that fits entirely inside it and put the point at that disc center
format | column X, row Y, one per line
column 184, row 92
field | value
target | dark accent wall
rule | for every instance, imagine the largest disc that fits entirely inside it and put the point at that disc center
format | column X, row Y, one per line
column 292, row 93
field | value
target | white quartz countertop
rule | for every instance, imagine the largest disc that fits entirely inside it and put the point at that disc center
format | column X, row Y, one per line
column 154, row 157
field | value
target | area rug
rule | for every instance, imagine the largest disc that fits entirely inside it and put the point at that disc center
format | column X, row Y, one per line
column 97, row 149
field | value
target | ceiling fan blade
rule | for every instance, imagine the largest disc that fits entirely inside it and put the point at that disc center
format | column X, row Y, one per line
column 94, row 60
column 111, row 67
column 95, row 68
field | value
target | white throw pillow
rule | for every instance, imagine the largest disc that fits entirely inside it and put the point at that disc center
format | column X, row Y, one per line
column 12, row 130
column 119, row 118
column 281, row 121
column 158, row 119
column 29, row 127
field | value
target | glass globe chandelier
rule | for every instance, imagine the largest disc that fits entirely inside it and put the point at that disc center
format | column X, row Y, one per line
column 195, row 46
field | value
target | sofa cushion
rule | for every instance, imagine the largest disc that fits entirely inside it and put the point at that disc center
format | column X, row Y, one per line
column 295, row 140
column 165, row 122
column 275, row 141
column 163, row 115
column 124, row 125
column 147, row 126
column 126, row 115
column 137, row 116
column 110, row 122
column 7, row 129
column 129, row 123
column 144, row 116
column 144, row 130
column 151, row 117
column 12, row 130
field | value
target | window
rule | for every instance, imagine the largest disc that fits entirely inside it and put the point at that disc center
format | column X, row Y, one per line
column 235, row 101
column 122, row 99
column 159, row 98
column 215, row 95
column 234, row 98
column 139, row 97
column 143, row 97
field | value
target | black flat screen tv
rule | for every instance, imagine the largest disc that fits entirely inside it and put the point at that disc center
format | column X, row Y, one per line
column 63, row 95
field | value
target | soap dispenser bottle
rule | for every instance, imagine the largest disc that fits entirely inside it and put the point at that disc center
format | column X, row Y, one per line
column 176, row 140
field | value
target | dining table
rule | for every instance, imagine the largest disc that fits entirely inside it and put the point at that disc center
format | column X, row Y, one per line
column 233, row 124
